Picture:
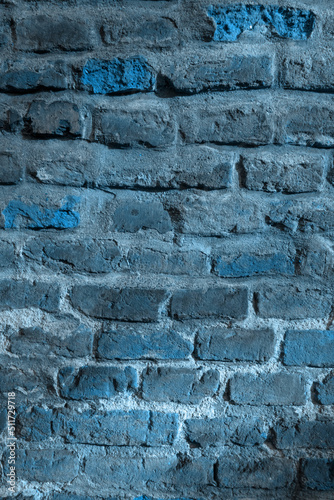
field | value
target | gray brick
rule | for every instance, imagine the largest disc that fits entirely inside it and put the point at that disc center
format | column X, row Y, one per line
column 246, row 431
column 309, row 347
column 287, row 172
column 141, row 123
column 151, row 345
column 214, row 302
column 93, row 382
column 315, row 131
column 278, row 388
column 308, row 71
column 191, row 263
column 231, row 73
column 305, row 434
column 257, row 472
column 127, row 304
column 43, row 33
column 88, row 255
column 11, row 172
column 292, row 302
column 180, row 385
column 225, row 123
column 59, row 118
column 29, row 76
column 133, row 216
column 253, row 264
column 235, row 344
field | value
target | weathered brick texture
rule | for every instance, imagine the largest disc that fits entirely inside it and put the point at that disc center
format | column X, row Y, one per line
column 167, row 249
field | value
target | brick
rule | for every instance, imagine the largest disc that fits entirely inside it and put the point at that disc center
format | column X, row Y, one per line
column 223, row 123
column 29, row 382
column 191, row 263
column 23, row 294
column 309, row 71
column 57, row 466
column 268, row 389
column 154, row 28
column 92, row 382
column 253, row 265
column 324, row 391
column 309, row 125
column 304, row 216
column 150, row 345
column 88, row 255
column 127, row 304
column 19, row 76
column 11, row 119
column 117, row 75
column 226, row 431
column 292, row 302
column 180, row 473
column 132, row 216
column 35, row 217
column 8, row 259
column 282, row 22
column 93, row 165
column 258, row 472
column 134, row 123
column 231, row 73
column 235, row 344
column 231, row 215
column 306, row 434
column 309, row 348
column 286, row 172
column 318, row 473
column 179, row 385
column 35, row 341
column 112, row 428
column 214, row 302
column 11, row 172
column 42, row 33
column 58, row 119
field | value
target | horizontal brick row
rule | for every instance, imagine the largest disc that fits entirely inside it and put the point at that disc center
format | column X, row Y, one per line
column 168, row 384
column 200, row 167
column 185, row 473
column 148, row 121
column 184, row 76
column 314, row 348
column 291, row 301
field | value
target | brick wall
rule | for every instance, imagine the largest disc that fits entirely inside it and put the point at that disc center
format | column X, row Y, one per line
column 167, row 248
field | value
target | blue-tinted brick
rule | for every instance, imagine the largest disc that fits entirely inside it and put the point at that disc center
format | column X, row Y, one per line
column 310, row 348
column 285, row 22
column 318, row 474
column 117, row 75
column 253, row 265
column 37, row 218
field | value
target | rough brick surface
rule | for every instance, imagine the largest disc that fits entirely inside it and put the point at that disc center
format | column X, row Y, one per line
column 268, row 389
column 167, row 249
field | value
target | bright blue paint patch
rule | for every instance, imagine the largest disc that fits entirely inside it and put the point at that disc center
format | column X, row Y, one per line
column 248, row 265
column 285, row 22
column 63, row 218
column 117, row 75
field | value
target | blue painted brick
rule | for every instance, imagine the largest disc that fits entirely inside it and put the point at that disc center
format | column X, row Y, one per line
column 37, row 218
column 310, row 348
column 117, row 75
column 285, row 22
column 253, row 265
